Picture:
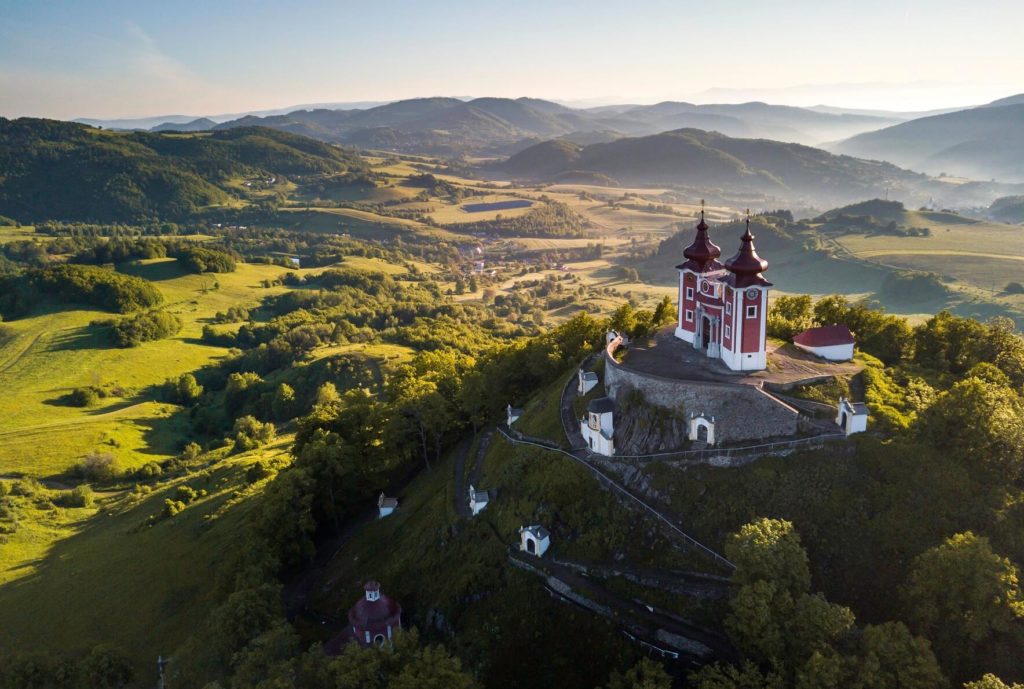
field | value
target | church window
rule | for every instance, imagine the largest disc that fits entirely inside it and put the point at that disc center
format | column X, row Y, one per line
column 689, row 293
column 752, row 311
column 728, row 332
column 689, row 316
column 728, row 308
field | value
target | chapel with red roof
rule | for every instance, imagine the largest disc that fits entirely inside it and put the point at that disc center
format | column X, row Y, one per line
column 723, row 307
column 373, row 620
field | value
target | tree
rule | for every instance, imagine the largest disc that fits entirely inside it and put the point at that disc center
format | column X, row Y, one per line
column 790, row 315
column 962, row 595
column 646, row 674
column 746, row 676
column 327, row 394
column 249, row 433
column 182, row 390
column 623, row 319
column 769, row 550
column 664, row 313
column 283, row 404
column 893, row 658
column 404, row 664
column 990, row 681
column 106, row 668
column 979, row 421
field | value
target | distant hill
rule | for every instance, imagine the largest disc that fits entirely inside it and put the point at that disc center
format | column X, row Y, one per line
column 1008, row 209
column 697, row 158
column 66, row 171
column 450, row 126
column 198, row 125
column 980, row 143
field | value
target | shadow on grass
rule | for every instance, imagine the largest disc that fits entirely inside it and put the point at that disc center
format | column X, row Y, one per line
column 83, row 337
column 154, row 271
column 117, row 579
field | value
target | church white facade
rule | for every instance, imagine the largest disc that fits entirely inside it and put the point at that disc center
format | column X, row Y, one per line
column 723, row 308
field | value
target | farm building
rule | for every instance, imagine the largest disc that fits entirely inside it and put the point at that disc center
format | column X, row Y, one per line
column 832, row 342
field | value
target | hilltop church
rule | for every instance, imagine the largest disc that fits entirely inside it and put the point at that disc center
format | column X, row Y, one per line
column 723, row 308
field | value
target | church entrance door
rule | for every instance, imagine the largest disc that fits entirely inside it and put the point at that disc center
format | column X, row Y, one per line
column 705, row 332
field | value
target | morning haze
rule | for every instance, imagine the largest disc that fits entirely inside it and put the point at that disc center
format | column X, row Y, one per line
column 661, row 345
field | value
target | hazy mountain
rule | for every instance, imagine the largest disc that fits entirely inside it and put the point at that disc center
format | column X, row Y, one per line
column 128, row 123
column 68, row 171
column 148, row 123
column 981, row 143
column 451, row 126
column 1009, row 100
column 199, row 125
column 760, row 120
column 697, row 158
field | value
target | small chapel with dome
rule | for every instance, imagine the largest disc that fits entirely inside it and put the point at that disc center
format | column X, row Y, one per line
column 723, row 307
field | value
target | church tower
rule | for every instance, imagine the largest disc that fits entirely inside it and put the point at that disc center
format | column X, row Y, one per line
column 722, row 309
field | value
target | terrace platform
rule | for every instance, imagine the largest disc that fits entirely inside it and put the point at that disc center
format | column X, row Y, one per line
column 669, row 357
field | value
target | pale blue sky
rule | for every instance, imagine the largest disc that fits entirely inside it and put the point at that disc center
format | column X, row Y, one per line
column 136, row 57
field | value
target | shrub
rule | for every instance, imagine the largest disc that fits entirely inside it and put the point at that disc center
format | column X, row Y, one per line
column 250, row 433
column 85, row 397
column 199, row 260
column 172, row 508
column 149, row 471
column 98, row 467
column 145, row 327
column 79, row 496
column 182, row 390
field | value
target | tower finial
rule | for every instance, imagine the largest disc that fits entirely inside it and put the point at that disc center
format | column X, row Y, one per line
column 702, row 209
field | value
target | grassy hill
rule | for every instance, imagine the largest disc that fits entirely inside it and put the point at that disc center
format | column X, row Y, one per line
column 65, row 171
column 711, row 160
column 981, row 143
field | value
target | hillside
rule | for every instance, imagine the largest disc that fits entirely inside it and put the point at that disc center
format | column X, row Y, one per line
column 982, row 143
column 449, row 126
column 65, row 171
column 711, row 160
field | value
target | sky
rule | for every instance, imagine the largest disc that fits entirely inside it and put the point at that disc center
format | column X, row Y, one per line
column 134, row 58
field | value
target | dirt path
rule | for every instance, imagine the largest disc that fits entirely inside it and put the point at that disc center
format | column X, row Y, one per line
column 459, row 499
column 70, row 423
column 477, row 474
column 21, row 355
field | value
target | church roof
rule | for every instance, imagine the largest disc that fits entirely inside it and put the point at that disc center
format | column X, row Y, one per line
column 538, row 532
column 371, row 614
column 825, row 336
column 602, row 405
column 702, row 254
column 746, row 265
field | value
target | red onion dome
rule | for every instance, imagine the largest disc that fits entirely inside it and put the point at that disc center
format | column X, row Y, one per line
column 375, row 611
column 746, row 265
column 702, row 253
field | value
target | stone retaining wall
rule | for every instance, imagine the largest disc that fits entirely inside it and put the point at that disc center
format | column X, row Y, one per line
column 742, row 412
